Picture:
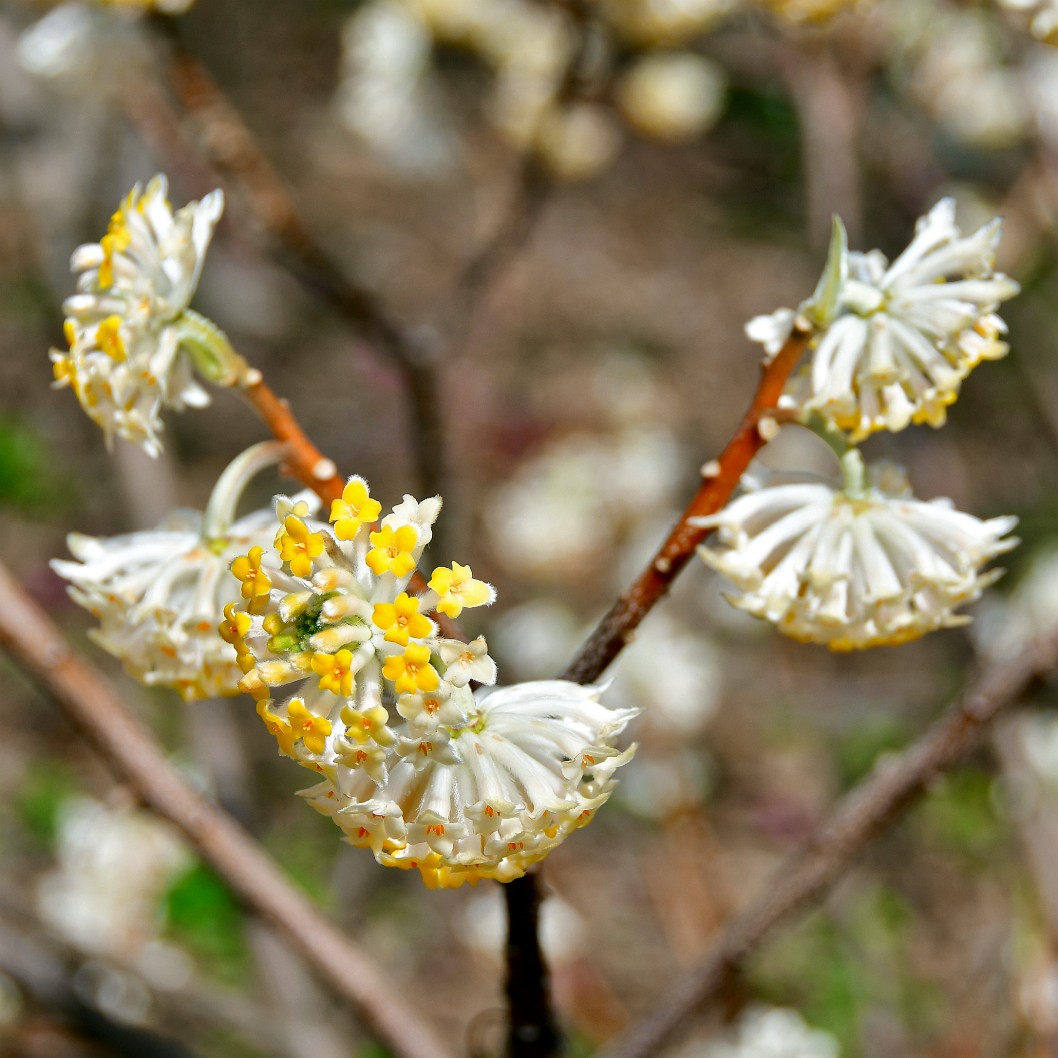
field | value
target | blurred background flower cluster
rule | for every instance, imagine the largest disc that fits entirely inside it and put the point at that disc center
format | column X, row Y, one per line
column 687, row 156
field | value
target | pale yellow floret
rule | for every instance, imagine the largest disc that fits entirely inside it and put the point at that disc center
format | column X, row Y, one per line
column 298, row 546
column 277, row 726
column 411, row 671
column 233, row 630
column 401, row 620
column 312, row 730
column 366, row 724
column 255, row 582
column 391, row 550
column 457, row 588
column 354, row 509
column 335, row 672
column 253, row 685
column 108, row 338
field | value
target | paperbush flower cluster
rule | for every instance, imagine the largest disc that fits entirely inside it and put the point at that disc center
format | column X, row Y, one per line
column 157, row 592
column 324, row 623
column 855, row 565
column 863, row 563
column 134, row 344
column 461, row 784
column 346, row 648
column 389, row 96
column 895, row 341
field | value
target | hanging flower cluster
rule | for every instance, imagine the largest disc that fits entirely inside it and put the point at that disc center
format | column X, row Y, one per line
column 134, row 344
column 858, row 566
column 157, row 593
column 895, row 341
column 865, row 564
column 465, row 784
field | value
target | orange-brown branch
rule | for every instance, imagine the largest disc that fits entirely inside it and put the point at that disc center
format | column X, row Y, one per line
column 305, row 461
column 719, row 481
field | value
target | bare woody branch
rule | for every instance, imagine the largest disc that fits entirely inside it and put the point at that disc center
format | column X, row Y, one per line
column 858, row 817
column 534, row 1037
column 238, row 160
column 532, row 189
column 720, row 478
column 93, row 707
column 304, row 460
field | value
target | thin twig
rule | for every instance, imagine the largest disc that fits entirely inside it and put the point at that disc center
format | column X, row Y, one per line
column 532, row 190
column 719, row 480
column 233, row 152
column 312, row 468
column 92, row 706
column 860, row 815
column 304, row 460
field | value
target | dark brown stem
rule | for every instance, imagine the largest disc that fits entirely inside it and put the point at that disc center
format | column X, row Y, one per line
column 860, row 815
column 233, row 152
column 94, row 708
column 533, row 1032
column 719, row 481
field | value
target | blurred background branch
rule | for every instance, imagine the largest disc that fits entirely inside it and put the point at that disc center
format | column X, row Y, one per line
column 96, row 711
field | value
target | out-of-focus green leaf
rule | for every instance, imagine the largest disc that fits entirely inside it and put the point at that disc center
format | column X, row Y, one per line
column 203, row 914
column 48, row 784
column 28, row 478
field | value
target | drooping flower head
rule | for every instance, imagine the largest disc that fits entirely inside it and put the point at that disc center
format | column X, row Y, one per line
column 355, row 680
column 894, row 341
column 159, row 593
column 858, row 566
column 489, row 795
column 134, row 343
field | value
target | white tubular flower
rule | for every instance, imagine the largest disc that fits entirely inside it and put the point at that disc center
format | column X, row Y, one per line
column 159, row 593
column 853, row 567
column 528, row 766
column 467, row 661
column 461, row 785
column 894, row 341
column 134, row 345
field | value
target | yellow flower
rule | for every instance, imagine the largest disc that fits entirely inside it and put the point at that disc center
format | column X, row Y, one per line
column 277, row 726
column 255, row 582
column 298, row 546
column 233, row 630
column 412, row 671
column 116, row 240
column 354, row 509
column 391, row 550
column 401, row 620
column 312, row 730
column 108, row 338
column 363, row 725
column 457, row 588
column 335, row 672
